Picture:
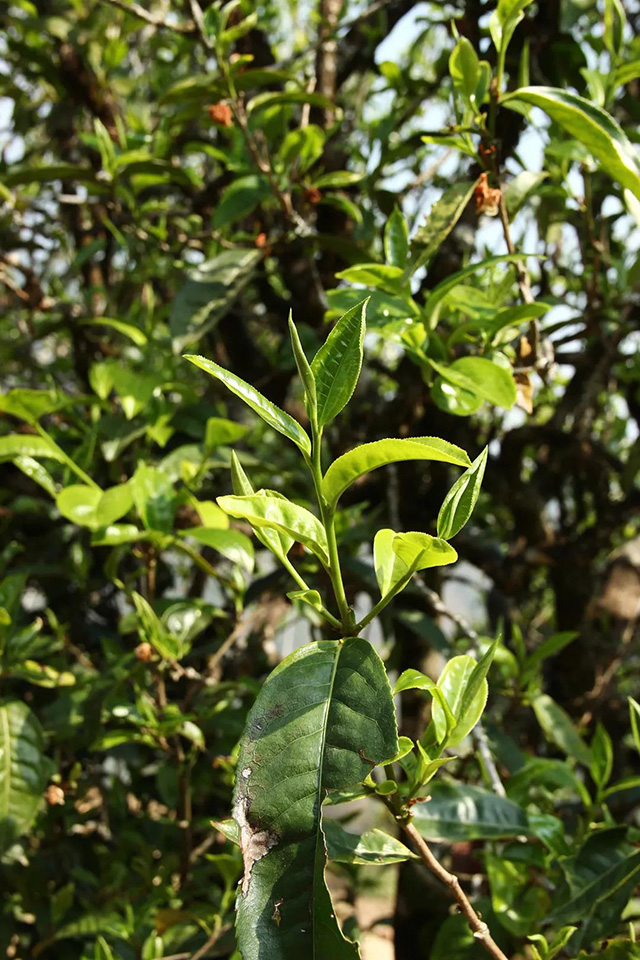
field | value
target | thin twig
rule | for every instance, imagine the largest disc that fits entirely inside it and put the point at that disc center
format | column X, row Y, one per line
column 524, row 280
column 480, row 929
column 155, row 21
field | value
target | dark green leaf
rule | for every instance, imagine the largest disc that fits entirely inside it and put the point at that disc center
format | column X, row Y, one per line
column 240, row 199
column 468, row 813
column 24, row 770
column 396, row 239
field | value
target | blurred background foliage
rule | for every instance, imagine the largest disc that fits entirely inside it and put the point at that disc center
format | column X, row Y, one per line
column 171, row 183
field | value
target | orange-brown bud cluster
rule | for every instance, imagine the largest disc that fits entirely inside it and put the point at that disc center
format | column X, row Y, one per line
column 221, row 114
column 487, row 198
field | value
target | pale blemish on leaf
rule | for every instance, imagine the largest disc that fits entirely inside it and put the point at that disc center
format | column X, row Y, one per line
column 254, row 844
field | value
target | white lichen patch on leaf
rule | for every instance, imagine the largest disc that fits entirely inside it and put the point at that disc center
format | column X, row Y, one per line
column 254, row 844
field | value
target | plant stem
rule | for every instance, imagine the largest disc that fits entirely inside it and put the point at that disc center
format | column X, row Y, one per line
column 328, row 520
column 480, row 929
column 382, row 603
column 329, row 617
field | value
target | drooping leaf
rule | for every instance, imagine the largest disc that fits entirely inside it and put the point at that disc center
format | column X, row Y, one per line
column 26, row 445
column 323, row 718
column 336, row 365
column 370, row 456
column 419, row 551
column 78, row 503
column 468, row 813
column 269, row 412
column 558, row 728
column 126, row 329
column 604, row 864
column 591, row 126
column 279, row 514
column 459, row 503
column 36, row 472
column 24, row 770
column 442, row 218
column 209, row 293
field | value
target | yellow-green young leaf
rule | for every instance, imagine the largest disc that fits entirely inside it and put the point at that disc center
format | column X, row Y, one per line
column 42, row 675
column 306, row 374
column 24, row 770
column 480, row 377
column 78, row 503
column 370, row 456
column 464, row 68
column 504, row 21
column 381, row 276
column 113, row 504
column 591, row 126
column 275, row 513
column 459, row 503
column 116, row 534
column 269, row 412
column 419, row 551
column 302, row 146
column 614, row 23
column 601, row 757
column 414, row 680
column 311, row 597
column 453, row 682
column 126, row 329
column 634, row 716
column 396, row 239
column 388, row 566
column 336, row 365
column 220, row 432
column 322, row 718
column 440, row 291
column 232, row 544
column 211, row 515
column 279, row 543
column 338, row 178
column 453, row 399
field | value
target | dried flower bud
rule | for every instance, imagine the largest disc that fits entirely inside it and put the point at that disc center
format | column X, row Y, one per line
column 261, row 240
column 221, row 114
column 144, row 652
column 54, row 795
column 312, row 195
column 487, row 198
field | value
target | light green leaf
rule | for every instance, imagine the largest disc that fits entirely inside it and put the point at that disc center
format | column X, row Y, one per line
column 42, row 675
column 26, row 445
column 337, row 178
column 419, row 551
column 453, row 682
column 456, row 813
column 370, row 456
column 305, row 371
column 220, row 432
column 24, row 770
column 389, row 568
column 634, row 717
column 116, row 534
column 504, row 21
column 464, row 69
column 302, row 146
column 323, row 717
column 396, row 239
column 240, row 199
column 211, row 515
column 459, row 503
column 126, row 329
column 264, row 510
column 36, row 472
column 589, row 124
column 482, row 377
column 154, row 498
column 601, row 757
column 453, row 399
column 269, row 412
column 558, row 728
column 113, row 504
column 232, row 544
column 78, row 503
column 278, row 543
column 336, row 365
column 311, row 597
column 372, row 848
column 377, row 275
column 441, row 289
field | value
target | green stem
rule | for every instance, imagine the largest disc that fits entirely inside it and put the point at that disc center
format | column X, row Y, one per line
column 328, row 520
column 382, row 603
column 329, row 617
column 79, row 472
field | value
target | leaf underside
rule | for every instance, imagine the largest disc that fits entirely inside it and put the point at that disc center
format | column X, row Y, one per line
column 323, row 719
